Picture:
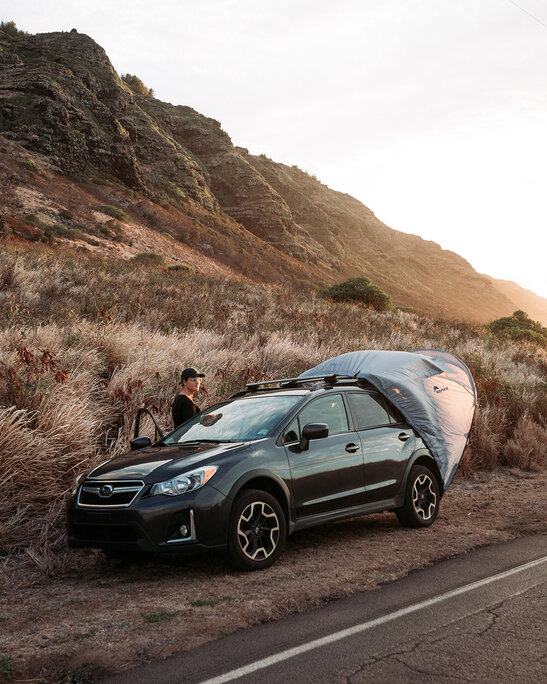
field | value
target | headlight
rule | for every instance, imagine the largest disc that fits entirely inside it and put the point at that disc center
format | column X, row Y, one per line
column 187, row 482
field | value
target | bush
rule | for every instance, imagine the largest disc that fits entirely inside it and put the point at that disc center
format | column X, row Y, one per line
column 148, row 259
column 32, row 166
column 136, row 85
column 359, row 289
column 115, row 212
column 112, row 229
column 180, row 267
column 57, row 230
column 8, row 29
column 520, row 328
column 33, row 220
column 66, row 214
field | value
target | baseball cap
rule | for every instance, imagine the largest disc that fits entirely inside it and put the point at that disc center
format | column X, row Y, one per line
column 188, row 373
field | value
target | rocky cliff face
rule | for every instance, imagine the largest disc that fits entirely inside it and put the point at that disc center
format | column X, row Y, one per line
column 59, row 92
column 61, row 98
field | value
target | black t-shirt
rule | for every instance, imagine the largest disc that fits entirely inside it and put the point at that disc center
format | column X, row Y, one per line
column 183, row 409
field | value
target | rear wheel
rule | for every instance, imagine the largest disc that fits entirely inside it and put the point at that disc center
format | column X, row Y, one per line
column 422, row 499
column 258, row 530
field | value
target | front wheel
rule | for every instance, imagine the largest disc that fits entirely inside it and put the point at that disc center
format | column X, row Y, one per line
column 258, row 530
column 422, row 499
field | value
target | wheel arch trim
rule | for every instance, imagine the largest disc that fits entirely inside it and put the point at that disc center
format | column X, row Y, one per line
column 420, row 457
column 269, row 482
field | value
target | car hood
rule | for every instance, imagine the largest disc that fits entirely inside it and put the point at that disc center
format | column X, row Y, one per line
column 159, row 463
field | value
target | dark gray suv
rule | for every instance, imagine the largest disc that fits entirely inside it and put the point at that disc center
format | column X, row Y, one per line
column 245, row 473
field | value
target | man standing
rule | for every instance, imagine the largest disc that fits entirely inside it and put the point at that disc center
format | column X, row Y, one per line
column 184, row 406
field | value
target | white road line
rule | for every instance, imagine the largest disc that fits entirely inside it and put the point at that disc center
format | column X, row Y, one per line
column 356, row 629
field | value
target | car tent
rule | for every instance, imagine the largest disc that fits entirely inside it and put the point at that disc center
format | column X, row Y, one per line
column 434, row 390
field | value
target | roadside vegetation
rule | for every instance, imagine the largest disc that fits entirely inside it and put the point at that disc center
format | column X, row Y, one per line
column 84, row 342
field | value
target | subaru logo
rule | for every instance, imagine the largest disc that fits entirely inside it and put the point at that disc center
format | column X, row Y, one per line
column 106, row 490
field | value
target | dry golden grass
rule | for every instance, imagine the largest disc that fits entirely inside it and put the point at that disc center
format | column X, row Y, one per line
column 84, row 343
column 527, row 448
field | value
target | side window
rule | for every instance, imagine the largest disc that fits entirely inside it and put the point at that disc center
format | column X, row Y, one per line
column 328, row 409
column 367, row 410
column 292, row 432
column 395, row 415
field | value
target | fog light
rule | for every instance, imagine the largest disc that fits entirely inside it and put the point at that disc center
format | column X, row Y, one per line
column 184, row 531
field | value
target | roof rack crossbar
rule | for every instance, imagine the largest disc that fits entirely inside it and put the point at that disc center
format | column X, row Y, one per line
column 286, row 381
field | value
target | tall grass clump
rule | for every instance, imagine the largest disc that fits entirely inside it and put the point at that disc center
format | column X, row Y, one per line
column 85, row 342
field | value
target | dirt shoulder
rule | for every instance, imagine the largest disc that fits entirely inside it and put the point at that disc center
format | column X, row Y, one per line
column 100, row 616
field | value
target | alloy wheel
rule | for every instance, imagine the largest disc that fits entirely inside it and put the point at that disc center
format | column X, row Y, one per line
column 258, row 530
column 424, row 497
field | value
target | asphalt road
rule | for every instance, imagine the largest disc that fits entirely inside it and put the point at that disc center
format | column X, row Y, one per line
column 480, row 617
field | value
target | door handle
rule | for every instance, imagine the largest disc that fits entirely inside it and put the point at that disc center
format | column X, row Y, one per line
column 351, row 448
column 403, row 436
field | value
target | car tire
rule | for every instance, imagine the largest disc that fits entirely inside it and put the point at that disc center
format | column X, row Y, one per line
column 258, row 531
column 422, row 499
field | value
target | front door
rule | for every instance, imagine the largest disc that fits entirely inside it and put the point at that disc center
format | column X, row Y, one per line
column 327, row 476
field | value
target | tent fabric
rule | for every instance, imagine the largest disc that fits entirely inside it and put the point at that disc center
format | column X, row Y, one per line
column 433, row 389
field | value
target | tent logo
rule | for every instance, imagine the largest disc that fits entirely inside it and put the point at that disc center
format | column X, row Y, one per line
column 439, row 390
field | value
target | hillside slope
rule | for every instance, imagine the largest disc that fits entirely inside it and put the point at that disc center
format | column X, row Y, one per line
column 69, row 121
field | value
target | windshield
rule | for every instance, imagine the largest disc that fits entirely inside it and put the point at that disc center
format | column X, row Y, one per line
column 239, row 420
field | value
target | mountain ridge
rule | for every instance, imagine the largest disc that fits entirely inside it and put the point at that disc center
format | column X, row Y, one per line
column 171, row 169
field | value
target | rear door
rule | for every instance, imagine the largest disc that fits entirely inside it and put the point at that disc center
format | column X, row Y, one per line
column 327, row 476
column 387, row 443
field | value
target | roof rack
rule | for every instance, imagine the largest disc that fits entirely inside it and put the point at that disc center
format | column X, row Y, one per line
column 289, row 383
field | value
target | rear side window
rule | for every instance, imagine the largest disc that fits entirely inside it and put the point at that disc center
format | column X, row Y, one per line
column 394, row 414
column 367, row 410
column 328, row 409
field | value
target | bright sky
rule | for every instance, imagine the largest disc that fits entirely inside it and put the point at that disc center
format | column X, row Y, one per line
column 431, row 112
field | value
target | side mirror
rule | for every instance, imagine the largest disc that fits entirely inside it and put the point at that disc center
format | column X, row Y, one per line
column 140, row 443
column 313, row 431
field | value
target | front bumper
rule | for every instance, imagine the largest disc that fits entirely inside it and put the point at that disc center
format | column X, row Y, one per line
column 189, row 522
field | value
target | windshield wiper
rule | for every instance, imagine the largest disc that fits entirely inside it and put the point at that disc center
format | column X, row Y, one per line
column 197, row 442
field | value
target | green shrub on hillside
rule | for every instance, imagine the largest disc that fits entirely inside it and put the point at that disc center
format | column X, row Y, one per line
column 136, row 85
column 66, row 214
column 359, row 289
column 33, row 220
column 520, row 328
column 148, row 259
column 8, row 29
column 115, row 212
column 112, row 229
column 180, row 267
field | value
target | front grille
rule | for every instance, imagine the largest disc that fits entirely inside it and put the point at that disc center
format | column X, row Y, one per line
column 113, row 494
